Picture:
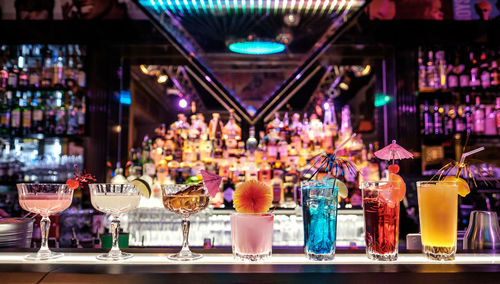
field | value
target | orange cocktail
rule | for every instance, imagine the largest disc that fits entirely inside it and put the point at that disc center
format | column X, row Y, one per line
column 438, row 206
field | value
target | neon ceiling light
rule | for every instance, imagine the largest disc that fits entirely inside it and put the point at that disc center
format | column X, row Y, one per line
column 256, row 47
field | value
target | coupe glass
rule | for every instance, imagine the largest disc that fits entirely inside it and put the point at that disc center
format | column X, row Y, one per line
column 114, row 199
column 44, row 199
column 175, row 199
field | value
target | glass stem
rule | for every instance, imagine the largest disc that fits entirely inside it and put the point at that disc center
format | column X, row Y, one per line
column 185, row 235
column 44, row 228
column 115, row 231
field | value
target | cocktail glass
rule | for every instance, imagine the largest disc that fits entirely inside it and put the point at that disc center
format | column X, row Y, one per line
column 178, row 199
column 319, row 207
column 44, row 199
column 381, row 214
column 438, row 209
column 114, row 199
column 252, row 236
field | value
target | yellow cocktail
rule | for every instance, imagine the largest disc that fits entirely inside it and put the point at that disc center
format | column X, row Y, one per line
column 438, row 206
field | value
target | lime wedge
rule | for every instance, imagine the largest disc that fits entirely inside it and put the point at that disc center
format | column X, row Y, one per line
column 143, row 187
column 343, row 192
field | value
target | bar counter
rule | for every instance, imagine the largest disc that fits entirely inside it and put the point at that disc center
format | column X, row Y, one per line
column 218, row 266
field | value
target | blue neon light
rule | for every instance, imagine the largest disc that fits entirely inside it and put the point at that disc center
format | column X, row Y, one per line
column 257, row 47
column 125, row 98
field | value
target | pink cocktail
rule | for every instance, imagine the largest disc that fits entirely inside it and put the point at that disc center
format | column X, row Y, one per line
column 44, row 199
column 252, row 235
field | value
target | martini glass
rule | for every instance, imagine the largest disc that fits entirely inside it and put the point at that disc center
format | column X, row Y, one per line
column 44, row 199
column 114, row 199
column 183, row 200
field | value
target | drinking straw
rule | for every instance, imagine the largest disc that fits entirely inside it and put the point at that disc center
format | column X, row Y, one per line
column 462, row 159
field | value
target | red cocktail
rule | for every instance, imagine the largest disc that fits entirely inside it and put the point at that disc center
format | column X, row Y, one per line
column 381, row 211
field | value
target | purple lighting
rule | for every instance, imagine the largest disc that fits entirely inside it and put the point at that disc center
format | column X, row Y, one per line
column 326, row 106
column 208, row 78
column 298, row 76
column 183, row 103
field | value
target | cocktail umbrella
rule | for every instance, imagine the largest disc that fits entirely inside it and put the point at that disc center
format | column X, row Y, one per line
column 393, row 151
column 212, row 182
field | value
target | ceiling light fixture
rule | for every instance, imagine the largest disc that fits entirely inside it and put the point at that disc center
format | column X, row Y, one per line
column 256, row 46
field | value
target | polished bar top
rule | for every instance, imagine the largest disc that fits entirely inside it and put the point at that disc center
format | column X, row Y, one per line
column 220, row 267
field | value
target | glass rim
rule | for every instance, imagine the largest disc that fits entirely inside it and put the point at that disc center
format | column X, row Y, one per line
column 191, row 196
column 43, row 184
column 424, row 182
column 106, row 183
column 266, row 214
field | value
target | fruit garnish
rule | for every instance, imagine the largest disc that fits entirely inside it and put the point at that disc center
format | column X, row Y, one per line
column 252, row 197
column 462, row 186
column 79, row 180
column 399, row 187
column 394, row 169
column 343, row 192
column 143, row 187
column 211, row 181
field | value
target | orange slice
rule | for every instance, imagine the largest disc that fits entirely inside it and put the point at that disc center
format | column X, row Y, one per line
column 399, row 190
column 463, row 186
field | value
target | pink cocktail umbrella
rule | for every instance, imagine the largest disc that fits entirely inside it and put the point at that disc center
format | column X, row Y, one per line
column 393, row 151
column 212, row 182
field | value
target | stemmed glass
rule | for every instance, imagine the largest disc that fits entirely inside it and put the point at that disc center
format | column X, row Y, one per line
column 114, row 199
column 44, row 199
column 185, row 199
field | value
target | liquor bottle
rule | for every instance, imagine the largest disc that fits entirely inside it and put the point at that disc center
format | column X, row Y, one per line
column 453, row 75
column 228, row 192
column 427, row 119
column 291, row 196
column 26, row 113
column 490, row 126
column 448, row 123
column 231, row 131
column 469, row 119
column 484, row 72
column 330, row 127
column 304, row 133
column 69, row 71
column 494, row 74
column 80, row 112
column 47, row 70
column 431, row 71
column 317, row 130
column 260, row 152
column 460, row 123
column 15, row 115
column 437, row 119
column 58, row 78
column 277, row 187
column 61, row 112
column 252, row 142
column 475, row 80
column 23, row 69
column 373, row 164
column 148, row 166
column 4, row 74
column 265, row 171
column 34, row 77
column 479, row 117
column 73, row 127
column 5, row 112
column 464, row 74
column 13, row 75
column 82, row 77
column 295, row 129
column 50, row 114
column 441, row 69
column 497, row 114
column 422, row 74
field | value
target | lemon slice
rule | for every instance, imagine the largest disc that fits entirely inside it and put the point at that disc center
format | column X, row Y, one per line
column 463, row 187
column 143, row 187
column 343, row 192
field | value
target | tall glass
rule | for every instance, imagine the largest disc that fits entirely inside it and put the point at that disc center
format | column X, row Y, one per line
column 252, row 236
column 381, row 214
column 114, row 199
column 319, row 206
column 44, row 199
column 438, row 207
column 179, row 198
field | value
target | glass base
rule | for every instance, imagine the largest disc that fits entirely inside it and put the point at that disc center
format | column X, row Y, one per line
column 114, row 257
column 185, row 256
column 252, row 257
column 382, row 257
column 46, row 255
column 439, row 253
column 320, row 256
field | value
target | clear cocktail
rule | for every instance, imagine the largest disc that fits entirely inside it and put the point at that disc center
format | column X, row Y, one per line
column 438, row 207
column 381, row 214
column 114, row 199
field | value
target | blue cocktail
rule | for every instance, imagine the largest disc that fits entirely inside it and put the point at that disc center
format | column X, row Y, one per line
column 319, row 206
